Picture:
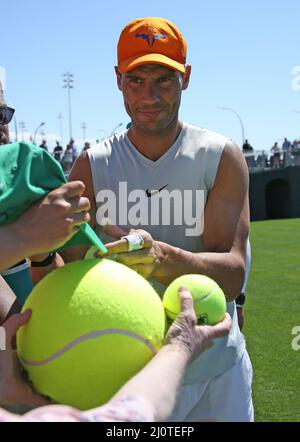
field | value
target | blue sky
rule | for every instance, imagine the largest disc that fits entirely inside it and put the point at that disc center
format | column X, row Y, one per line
column 242, row 55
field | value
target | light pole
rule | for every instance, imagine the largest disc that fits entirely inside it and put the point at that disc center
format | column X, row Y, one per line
column 69, row 84
column 83, row 127
column 60, row 117
column 240, row 120
column 36, row 131
column 22, row 126
column 115, row 128
column 104, row 131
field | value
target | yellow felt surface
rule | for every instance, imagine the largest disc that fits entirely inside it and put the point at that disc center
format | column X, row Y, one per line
column 81, row 298
column 209, row 299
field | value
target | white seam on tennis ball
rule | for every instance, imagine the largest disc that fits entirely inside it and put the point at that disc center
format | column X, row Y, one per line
column 211, row 292
column 86, row 337
column 196, row 301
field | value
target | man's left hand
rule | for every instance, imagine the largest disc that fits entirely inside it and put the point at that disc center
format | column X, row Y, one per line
column 144, row 261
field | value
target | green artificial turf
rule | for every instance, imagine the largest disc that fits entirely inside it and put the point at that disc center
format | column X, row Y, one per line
column 272, row 310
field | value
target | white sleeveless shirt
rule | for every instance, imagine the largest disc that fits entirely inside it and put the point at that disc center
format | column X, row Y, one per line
column 167, row 198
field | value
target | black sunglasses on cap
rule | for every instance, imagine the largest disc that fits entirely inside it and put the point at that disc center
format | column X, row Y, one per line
column 6, row 114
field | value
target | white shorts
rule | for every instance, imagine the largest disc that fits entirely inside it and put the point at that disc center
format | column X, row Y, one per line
column 225, row 398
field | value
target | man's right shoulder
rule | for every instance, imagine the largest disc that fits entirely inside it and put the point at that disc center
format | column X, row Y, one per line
column 208, row 135
column 106, row 146
column 81, row 170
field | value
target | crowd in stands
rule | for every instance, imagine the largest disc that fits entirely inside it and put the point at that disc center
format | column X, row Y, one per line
column 288, row 154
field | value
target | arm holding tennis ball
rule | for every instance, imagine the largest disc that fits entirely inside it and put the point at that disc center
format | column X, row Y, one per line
column 158, row 382
column 155, row 386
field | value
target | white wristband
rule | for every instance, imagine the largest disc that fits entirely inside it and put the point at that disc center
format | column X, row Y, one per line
column 135, row 241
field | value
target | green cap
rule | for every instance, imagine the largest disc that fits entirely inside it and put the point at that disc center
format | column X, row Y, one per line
column 27, row 174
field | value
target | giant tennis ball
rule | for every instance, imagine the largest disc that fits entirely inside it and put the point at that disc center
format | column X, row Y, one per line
column 209, row 299
column 94, row 324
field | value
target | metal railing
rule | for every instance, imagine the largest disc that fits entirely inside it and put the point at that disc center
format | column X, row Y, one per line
column 261, row 159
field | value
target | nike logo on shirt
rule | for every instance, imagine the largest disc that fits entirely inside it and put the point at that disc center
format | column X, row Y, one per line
column 150, row 193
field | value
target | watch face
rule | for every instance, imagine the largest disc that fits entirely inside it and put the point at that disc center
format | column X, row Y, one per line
column 240, row 300
column 46, row 262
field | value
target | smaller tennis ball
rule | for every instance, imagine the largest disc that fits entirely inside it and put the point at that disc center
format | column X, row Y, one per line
column 209, row 299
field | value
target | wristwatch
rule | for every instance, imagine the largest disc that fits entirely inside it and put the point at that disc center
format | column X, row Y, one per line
column 47, row 261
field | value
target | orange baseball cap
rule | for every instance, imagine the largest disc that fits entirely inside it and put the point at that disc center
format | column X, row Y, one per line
column 151, row 40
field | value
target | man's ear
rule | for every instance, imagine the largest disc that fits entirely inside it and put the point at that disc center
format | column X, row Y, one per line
column 119, row 77
column 186, row 77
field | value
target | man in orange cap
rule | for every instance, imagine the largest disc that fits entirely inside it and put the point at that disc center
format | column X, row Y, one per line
column 176, row 197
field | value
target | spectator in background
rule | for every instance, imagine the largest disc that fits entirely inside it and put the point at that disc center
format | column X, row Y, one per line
column 247, row 151
column 86, row 146
column 296, row 152
column 287, row 156
column 286, row 145
column 74, row 149
column 262, row 160
column 275, row 160
column 58, row 151
column 247, row 147
column 68, row 159
column 44, row 145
